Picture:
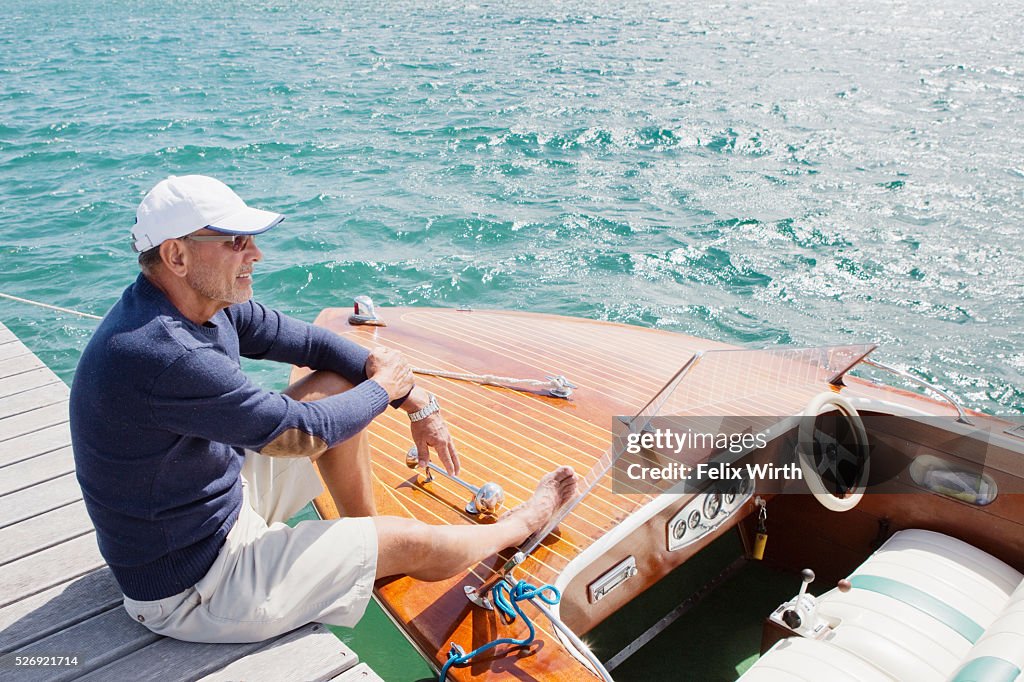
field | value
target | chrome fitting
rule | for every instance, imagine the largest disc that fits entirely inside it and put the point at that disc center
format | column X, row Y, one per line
column 478, row 595
column 487, row 499
column 560, row 386
column 363, row 313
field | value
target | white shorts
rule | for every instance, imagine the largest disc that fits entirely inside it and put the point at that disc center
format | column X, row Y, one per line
column 268, row 580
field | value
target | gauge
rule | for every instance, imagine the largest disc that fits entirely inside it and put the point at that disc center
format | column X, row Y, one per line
column 712, row 505
column 694, row 519
column 679, row 529
column 730, row 495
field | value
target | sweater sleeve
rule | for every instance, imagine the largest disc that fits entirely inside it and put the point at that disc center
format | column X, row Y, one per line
column 204, row 394
column 266, row 334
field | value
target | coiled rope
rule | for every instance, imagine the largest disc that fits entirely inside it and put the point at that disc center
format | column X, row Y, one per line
column 507, row 601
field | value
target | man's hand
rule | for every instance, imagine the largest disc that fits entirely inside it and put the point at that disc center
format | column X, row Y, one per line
column 389, row 369
column 432, row 432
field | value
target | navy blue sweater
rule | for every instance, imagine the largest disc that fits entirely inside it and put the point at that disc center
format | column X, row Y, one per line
column 161, row 412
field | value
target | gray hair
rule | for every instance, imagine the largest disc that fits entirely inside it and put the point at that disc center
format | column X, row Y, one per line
column 149, row 260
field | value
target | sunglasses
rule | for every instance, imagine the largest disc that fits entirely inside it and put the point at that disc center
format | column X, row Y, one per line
column 239, row 242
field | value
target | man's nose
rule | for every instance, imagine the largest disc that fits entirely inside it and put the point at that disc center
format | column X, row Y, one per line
column 252, row 252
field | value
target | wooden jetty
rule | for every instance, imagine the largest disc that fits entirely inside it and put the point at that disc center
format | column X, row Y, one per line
column 60, row 609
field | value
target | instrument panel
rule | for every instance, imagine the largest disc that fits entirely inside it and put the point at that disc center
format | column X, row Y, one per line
column 705, row 513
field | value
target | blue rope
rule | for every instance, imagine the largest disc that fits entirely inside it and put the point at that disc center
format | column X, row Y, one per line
column 507, row 601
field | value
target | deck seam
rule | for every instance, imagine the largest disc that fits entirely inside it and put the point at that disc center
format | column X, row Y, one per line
column 37, row 407
column 36, row 429
column 24, row 371
column 56, row 380
column 45, row 511
column 77, row 619
column 44, row 588
column 35, row 483
column 48, row 509
column 34, row 455
column 51, row 545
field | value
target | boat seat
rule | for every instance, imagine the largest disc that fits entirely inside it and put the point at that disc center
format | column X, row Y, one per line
column 998, row 656
column 925, row 606
column 811, row 660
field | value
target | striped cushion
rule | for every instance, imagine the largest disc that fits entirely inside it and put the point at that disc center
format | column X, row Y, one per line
column 925, row 606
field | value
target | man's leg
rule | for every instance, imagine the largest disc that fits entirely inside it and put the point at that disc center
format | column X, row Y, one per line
column 345, row 468
column 270, row 580
column 426, row 552
column 411, row 547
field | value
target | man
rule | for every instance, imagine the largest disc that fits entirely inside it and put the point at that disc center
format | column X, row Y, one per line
column 187, row 467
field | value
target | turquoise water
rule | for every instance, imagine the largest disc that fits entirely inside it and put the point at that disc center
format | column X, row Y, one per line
column 756, row 172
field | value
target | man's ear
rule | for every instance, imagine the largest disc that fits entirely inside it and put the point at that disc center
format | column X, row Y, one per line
column 174, row 257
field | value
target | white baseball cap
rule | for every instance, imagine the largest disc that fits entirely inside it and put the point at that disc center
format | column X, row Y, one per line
column 181, row 205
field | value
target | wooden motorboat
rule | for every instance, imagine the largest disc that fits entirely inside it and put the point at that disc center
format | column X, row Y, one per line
column 614, row 543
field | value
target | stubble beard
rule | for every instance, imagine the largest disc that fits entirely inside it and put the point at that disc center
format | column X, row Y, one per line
column 208, row 282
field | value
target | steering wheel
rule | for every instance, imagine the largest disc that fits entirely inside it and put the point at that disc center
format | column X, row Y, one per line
column 834, row 461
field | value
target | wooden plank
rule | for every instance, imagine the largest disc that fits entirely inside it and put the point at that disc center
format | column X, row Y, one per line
column 95, row 642
column 6, row 334
column 38, row 499
column 27, row 380
column 309, row 654
column 43, row 531
column 29, row 445
column 49, row 567
column 36, row 470
column 33, row 398
column 33, row 420
column 13, row 349
column 360, row 673
column 187, row 660
column 19, row 364
column 52, row 610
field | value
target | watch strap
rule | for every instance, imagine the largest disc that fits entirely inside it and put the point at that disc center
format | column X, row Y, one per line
column 430, row 408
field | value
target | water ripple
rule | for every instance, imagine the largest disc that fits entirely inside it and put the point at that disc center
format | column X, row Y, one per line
column 754, row 173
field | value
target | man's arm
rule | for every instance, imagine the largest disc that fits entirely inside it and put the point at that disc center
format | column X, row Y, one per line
column 431, row 431
column 266, row 334
column 204, row 394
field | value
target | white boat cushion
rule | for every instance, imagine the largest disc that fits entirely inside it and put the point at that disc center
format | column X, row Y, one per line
column 923, row 607
column 999, row 654
column 969, row 580
column 896, row 637
column 797, row 658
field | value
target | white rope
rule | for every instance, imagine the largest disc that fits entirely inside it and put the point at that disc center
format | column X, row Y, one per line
column 558, row 386
column 51, row 307
column 555, row 385
column 490, row 379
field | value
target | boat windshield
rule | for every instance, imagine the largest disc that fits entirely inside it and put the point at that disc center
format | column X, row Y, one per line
column 766, row 382
column 755, row 385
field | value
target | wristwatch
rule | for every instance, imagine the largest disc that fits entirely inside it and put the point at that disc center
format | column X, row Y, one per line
column 430, row 408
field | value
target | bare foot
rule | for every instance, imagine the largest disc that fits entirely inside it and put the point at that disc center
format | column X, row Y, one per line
column 553, row 491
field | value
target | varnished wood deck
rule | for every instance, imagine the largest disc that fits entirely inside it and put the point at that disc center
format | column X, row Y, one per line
column 57, row 598
column 514, row 437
